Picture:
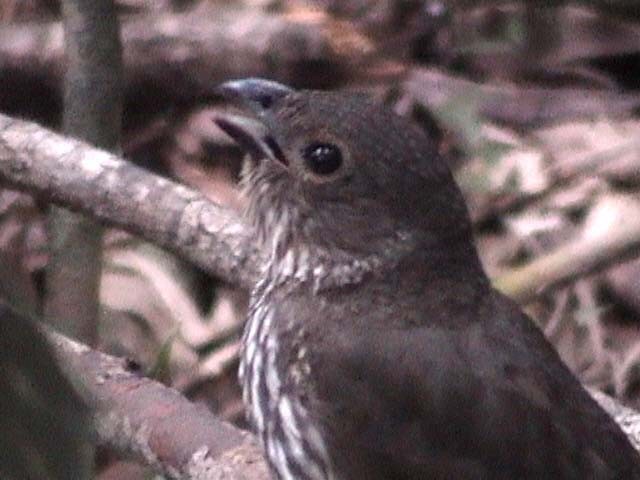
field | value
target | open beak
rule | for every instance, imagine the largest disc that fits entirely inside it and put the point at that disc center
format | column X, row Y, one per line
column 253, row 97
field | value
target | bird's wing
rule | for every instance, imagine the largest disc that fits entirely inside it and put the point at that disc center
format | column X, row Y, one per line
column 488, row 401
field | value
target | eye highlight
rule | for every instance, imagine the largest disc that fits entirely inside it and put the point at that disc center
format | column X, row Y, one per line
column 322, row 158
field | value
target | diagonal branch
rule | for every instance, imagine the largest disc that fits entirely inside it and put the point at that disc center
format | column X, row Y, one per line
column 115, row 192
column 577, row 259
column 156, row 425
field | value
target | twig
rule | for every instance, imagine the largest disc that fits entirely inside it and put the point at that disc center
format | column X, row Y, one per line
column 561, row 174
column 83, row 178
column 575, row 259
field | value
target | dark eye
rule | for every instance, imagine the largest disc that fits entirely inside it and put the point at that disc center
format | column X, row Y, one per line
column 322, row 158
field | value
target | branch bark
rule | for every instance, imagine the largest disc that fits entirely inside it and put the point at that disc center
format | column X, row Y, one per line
column 82, row 178
column 154, row 424
column 92, row 112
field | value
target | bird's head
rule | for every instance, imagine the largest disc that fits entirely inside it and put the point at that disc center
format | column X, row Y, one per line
column 333, row 174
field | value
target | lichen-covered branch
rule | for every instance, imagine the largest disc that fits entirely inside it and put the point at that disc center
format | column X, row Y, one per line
column 114, row 191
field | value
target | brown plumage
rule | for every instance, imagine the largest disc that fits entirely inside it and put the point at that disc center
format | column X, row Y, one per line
column 375, row 346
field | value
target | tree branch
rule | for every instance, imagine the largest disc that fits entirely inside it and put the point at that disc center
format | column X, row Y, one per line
column 93, row 113
column 71, row 173
column 156, row 425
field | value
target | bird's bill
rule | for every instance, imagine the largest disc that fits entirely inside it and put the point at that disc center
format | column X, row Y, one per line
column 249, row 133
column 252, row 98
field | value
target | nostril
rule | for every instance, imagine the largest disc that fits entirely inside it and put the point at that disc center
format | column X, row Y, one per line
column 265, row 100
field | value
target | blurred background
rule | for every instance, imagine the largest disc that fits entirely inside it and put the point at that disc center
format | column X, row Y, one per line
column 535, row 104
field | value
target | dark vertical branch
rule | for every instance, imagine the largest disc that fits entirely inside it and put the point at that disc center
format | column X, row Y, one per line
column 92, row 112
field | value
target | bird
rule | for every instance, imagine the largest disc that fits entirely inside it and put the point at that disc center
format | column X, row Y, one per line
column 375, row 347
